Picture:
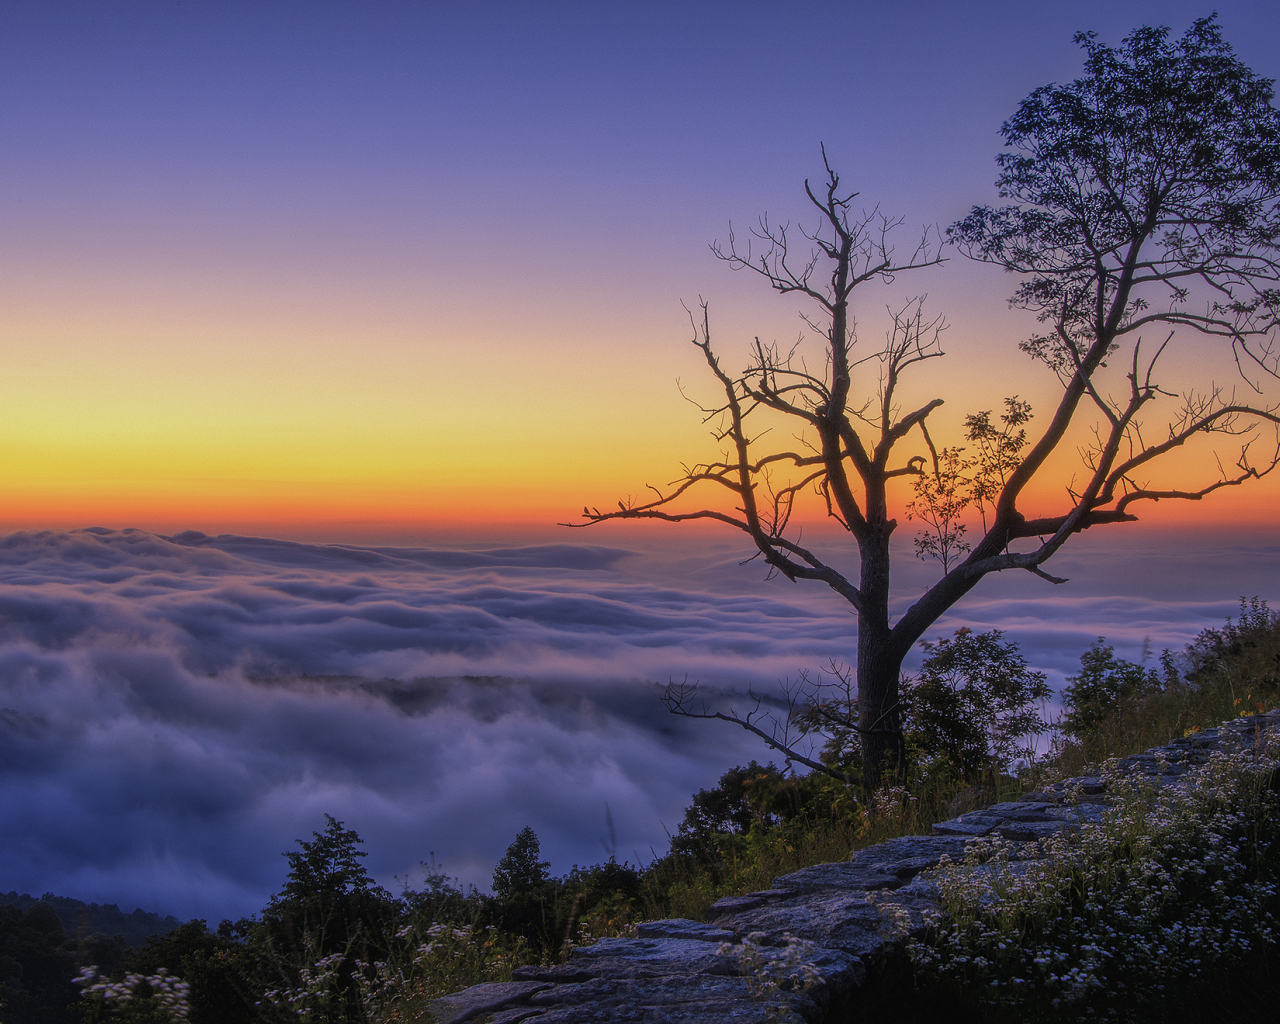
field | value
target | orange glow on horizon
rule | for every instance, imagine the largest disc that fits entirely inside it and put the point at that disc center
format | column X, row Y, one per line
column 386, row 412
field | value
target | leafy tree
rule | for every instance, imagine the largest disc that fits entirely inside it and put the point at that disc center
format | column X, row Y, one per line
column 328, row 899
column 213, row 965
column 744, row 796
column 440, row 900
column 1106, row 688
column 329, row 906
column 1243, row 653
column 1144, row 200
column 974, row 703
column 520, row 872
column 523, row 890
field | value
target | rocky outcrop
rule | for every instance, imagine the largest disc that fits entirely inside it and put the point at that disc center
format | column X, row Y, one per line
column 791, row 953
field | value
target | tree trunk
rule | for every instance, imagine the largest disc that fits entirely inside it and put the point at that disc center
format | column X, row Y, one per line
column 879, row 664
column 879, row 716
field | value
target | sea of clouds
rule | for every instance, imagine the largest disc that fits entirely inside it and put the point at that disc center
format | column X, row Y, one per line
column 176, row 711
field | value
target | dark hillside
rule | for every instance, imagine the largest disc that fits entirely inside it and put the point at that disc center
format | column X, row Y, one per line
column 80, row 919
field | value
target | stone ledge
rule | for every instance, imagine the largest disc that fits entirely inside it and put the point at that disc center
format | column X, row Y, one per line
column 673, row 971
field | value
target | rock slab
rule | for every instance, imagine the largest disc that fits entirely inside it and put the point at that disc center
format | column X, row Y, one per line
column 785, row 954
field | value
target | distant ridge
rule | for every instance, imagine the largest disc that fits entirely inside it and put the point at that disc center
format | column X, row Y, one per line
column 82, row 919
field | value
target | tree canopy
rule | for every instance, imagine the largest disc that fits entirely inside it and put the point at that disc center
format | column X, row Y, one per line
column 1144, row 211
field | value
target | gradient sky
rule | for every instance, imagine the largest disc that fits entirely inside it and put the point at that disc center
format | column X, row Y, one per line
column 350, row 270
column 381, row 273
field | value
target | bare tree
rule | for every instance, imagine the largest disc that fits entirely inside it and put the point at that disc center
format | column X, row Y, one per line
column 1146, row 201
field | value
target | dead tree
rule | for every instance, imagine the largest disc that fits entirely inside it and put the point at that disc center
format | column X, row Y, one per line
column 1146, row 204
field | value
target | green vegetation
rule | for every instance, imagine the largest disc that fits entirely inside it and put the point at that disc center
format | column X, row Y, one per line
column 1166, row 910
column 1115, row 707
column 333, row 946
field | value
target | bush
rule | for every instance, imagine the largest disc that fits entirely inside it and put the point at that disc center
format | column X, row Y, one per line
column 1139, row 918
column 974, row 706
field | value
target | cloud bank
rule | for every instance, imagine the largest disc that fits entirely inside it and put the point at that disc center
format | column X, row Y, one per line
column 176, row 711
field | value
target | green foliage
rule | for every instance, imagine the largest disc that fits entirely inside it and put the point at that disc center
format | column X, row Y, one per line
column 1236, row 668
column 1114, row 707
column 1141, row 917
column 106, row 919
column 328, row 896
column 520, row 873
column 973, row 708
column 329, row 910
column 941, row 498
column 754, row 795
column 1106, row 688
column 974, row 704
column 524, row 899
column 214, row 966
column 328, row 906
column 1168, row 148
column 999, row 450
column 958, row 481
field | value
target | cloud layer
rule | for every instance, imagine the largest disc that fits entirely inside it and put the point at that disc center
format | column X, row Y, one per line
column 176, row 711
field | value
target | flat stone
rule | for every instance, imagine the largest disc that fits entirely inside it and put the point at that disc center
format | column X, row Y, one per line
column 911, row 854
column 701, row 1000
column 732, row 904
column 558, row 974
column 922, row 887
column 842, row 922
column 682, row 928
column 478, row 999
column 1044, row 796
column 1017, row 807
column 621, row 958
column 1029, row 831
column 1019, row 811
column 1078, row 813
column 694, row 1007
column 840, row 875
column 973, row 824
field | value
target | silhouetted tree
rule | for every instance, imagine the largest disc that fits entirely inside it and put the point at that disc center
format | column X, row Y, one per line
column 214, row 966
column 521, row 890
column 975, row 702
column 328, row 906
column 742, row 798
column 328, row 899
column 1106, row 688
column 520, row 871
column 1144, row 199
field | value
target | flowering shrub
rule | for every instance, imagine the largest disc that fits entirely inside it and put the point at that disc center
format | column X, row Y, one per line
column 450, row 959
column 769, row 971
column 1118, row 919
column 150, row 997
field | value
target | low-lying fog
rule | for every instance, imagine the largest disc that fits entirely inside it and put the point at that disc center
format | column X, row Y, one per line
column 176, row 711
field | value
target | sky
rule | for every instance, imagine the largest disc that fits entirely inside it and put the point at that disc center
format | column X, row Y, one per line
column 328, row 269
column 318, row 317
